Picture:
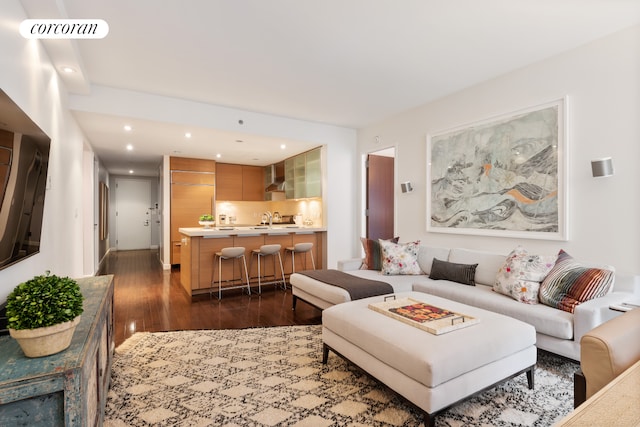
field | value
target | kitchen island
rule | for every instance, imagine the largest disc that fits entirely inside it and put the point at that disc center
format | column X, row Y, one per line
column 198, row 246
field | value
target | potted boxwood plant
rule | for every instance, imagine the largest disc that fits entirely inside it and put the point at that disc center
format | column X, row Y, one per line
column 207, row 220
column 43, row 312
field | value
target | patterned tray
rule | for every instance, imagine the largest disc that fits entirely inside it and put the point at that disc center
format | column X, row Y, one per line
column 423, row 315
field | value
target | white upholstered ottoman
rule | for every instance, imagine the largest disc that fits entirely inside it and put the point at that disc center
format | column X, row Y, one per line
column 431, row 371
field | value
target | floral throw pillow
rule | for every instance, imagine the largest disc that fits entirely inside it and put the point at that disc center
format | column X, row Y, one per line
column 521, row 274
column 400, row 258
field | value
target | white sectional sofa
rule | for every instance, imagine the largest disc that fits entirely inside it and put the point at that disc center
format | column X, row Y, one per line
column 557, row 331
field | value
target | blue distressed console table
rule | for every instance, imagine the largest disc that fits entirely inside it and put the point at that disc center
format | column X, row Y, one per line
column 69, row 388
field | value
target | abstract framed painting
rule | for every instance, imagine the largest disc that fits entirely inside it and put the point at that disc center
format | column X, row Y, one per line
column 504, row 176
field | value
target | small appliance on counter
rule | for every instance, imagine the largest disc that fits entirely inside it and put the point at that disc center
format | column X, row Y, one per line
column 285, row 219
column 279, row 219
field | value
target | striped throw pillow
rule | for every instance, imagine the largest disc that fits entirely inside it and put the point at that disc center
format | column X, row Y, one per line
column 373, row 254
column 570, row 283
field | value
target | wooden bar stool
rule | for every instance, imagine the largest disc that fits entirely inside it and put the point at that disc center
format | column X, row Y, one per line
column 264, row 251
column 300, row 248
column 233, row 253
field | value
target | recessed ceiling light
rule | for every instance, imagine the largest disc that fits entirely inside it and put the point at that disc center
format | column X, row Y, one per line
column 68, row 69
column 282, row 146
column 128, row 128
column 187, row 135
column 218, row 155
column 130, row 170
column 129, row 147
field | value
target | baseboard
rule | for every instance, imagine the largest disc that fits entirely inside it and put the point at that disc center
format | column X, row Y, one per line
column 101, row 262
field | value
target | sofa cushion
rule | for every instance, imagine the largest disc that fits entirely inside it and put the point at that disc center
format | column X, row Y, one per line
column 521, row 274
column 460, row 273
column 400, row 258
column 570, row 283
column 426, row 254
column 545, row 319
column 488, row 263
column 373, row 253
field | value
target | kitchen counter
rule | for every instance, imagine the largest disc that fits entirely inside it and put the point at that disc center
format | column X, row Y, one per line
column 198, row 246
column 231, row 230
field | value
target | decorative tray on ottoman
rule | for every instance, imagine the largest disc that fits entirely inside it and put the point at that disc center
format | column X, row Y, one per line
column 423, row 315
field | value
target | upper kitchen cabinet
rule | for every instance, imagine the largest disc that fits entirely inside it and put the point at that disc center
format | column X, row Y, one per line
column 228, row 182
column 313, row 176
column 239, row 182
column 303, row 175
column 252, row 183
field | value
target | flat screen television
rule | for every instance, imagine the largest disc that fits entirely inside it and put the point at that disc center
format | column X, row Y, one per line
column 24, row 157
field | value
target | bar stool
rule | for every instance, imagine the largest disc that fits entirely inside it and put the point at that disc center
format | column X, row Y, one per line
column 232, row 253
column 300, row 248
column 264, row 251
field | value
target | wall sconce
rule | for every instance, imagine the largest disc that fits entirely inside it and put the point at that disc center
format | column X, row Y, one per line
column 406, row 187
column 602, row 167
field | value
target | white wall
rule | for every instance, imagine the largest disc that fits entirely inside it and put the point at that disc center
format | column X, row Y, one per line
column 27, row 76
column 602, row 82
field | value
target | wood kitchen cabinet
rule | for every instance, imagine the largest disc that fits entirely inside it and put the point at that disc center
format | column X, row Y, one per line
column 239, row 182
column 68, row 388
column 252, row 183
column 228, row 182
column 192, row 194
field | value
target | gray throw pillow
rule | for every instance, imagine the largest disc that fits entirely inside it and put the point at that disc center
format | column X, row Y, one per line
column 461, row 273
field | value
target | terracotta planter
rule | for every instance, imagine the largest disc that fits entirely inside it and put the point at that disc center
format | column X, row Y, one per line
column 45, row 341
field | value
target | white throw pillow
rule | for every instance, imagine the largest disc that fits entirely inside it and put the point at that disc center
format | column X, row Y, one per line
column 521, row 274
column 400, row 258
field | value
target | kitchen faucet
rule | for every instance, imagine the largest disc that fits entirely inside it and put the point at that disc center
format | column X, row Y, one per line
column 268, row 214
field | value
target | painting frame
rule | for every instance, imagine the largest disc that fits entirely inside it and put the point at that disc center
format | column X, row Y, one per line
column 503, row 176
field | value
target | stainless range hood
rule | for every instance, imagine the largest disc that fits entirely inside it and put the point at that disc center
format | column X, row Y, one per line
column 277, row 178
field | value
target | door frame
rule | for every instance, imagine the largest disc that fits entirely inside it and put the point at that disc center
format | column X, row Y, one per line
column 391, row 151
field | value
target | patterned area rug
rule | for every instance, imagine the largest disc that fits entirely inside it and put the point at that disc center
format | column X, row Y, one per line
column 275, row 377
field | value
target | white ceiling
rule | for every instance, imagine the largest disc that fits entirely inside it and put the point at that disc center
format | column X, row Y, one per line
column 348, row 63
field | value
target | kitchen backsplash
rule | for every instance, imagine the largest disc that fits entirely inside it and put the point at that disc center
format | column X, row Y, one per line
column 250, row 213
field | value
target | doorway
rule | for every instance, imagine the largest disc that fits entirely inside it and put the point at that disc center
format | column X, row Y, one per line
column 133, row 216
column 380, row 200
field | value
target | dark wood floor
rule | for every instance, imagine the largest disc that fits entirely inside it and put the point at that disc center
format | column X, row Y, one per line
column 150, row 299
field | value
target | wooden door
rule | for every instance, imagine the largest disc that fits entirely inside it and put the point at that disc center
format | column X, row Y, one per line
column 380, row 181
